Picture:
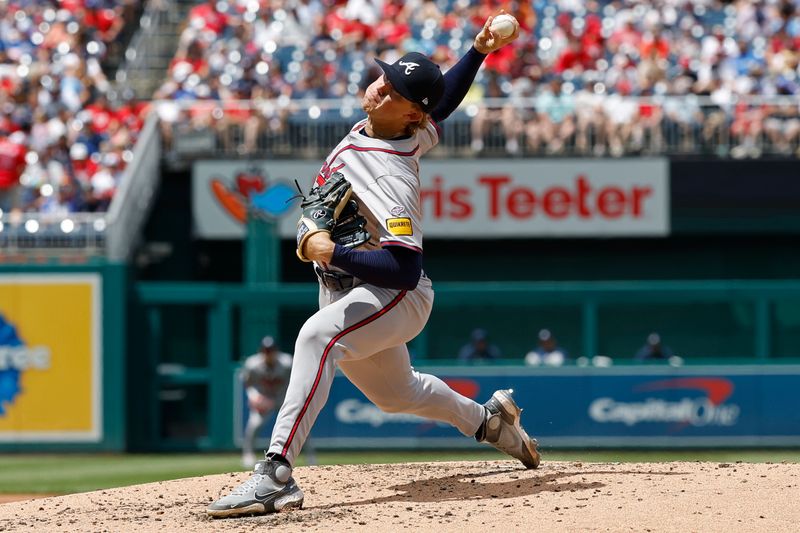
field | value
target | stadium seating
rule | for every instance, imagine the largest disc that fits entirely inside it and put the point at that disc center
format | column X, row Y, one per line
column 561, row 83
column 61, row 137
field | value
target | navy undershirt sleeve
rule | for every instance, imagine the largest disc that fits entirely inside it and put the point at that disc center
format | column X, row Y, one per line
column 457, row 82
column 391, row 267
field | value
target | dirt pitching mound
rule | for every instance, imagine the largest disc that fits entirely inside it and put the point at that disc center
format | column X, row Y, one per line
column 457, row 496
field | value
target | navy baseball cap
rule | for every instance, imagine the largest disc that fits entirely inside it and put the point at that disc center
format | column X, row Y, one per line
column 416, row 78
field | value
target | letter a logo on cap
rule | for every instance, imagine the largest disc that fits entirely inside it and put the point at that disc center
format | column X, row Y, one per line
column 409, row 66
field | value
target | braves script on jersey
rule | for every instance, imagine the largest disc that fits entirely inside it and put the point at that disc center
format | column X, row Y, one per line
column 385, row 179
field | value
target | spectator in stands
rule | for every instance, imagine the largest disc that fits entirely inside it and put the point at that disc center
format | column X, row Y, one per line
column 653, row 349
column 746, row 129
column 646, row 132
column 519, row 115
column 555, row 109
column 682, row 119
column 12, row 164
column 489, row 115
column 621, row 113
column 547, row 352
column 782, row 126
column 590, row 130
column 479, row 349
column 206, row 19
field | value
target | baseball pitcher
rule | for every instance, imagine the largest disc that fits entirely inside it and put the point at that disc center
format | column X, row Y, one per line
column 361, row 227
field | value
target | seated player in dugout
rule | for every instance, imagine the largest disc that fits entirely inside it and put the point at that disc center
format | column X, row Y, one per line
column 360, row 226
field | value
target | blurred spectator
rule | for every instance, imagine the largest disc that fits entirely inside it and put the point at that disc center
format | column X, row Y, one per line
column 653, row 349
column 590, row 133
column 782, row 126
column 555, row 110
column 547, row 352
column 488, row 116
column 12, row 164
column 479, row 349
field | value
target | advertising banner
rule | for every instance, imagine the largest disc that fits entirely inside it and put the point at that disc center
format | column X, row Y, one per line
column 634, row 406
column 481, row 198
column 50, row 358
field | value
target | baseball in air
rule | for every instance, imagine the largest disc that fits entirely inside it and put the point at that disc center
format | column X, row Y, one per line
column 504, row 25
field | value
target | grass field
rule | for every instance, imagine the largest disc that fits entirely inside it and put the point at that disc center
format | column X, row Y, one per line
column 68, row 473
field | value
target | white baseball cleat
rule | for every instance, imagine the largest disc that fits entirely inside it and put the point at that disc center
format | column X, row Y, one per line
column 270, row 489
column 503, row 431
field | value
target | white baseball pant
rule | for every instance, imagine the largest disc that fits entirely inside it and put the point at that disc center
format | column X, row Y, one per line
column 365, row 330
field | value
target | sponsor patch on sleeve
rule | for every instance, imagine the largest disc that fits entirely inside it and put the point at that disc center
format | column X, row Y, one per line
column 399, row 226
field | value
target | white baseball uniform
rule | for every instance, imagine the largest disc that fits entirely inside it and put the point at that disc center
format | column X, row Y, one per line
column 263, row 383
column 364, row 329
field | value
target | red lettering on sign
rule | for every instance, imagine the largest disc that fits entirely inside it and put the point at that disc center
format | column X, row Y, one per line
column 435, row 194
column 556, row 202
column 461, row 206
column 521, row 203
column 579, row 199
column 494, row 183
column 584, row 189
column 639, row 195
column 611, row 202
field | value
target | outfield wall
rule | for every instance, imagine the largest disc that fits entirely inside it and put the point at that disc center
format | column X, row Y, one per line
column 634, row 406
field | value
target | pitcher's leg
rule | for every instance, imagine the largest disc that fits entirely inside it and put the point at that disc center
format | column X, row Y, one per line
column 388, row 380
column 309, row 384
column 359, row 324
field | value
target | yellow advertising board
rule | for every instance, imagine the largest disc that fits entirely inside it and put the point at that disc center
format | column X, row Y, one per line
column 50, row 358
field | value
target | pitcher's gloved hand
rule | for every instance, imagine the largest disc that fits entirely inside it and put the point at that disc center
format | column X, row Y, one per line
column 350, row 230
column 321, row 209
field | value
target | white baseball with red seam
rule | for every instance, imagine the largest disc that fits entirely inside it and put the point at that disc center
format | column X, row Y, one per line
column 504, row 25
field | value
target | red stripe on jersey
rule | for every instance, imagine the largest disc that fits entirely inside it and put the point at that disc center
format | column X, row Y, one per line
column 403, row 244
column 327, row 350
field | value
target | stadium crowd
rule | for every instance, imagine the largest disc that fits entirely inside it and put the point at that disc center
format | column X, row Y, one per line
column 689, row 62
column 63, row 144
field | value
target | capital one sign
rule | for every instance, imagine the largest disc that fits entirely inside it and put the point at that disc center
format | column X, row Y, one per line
column 577, row 198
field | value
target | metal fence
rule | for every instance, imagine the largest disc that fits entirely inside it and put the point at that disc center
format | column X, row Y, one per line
column 600, row 126
column 68, row 235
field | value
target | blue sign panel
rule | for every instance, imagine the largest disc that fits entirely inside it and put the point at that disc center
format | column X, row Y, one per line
column 630, row 406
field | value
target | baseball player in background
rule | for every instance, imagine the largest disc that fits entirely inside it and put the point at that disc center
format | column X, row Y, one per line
column 374, row 298
column 265, row 376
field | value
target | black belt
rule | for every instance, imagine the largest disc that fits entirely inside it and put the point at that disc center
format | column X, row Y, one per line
column 335, row 281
